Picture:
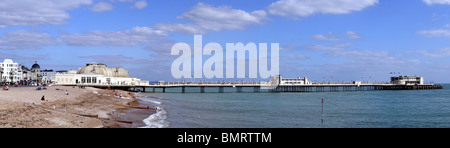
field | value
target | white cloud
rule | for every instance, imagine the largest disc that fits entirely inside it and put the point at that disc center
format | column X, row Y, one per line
column 328, row 37
column 24, row 58
column 303, row 8
column 336, row 47
column 438, row 53
column 140, row 4
column 37, row 12
column 363, row 54
column 133, row 37
column 102, row 6
column 352, row 35
column 22, row 39
column 435, row 33
column 181, row 28
column 116, row 60
column 208, row 18
column 432, row 2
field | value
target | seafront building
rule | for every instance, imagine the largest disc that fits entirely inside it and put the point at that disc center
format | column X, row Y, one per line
column 97, row 73
column 36, row 75
column 48, row 76
column 10, row 71
column 26, row 75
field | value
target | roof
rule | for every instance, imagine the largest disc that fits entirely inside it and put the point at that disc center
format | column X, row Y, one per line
column 35, row 66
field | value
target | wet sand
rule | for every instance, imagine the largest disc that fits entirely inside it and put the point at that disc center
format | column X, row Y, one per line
column 21, row 107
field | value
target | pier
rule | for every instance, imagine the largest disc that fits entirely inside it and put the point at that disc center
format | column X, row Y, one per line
column 276, row 84
column 258, row 86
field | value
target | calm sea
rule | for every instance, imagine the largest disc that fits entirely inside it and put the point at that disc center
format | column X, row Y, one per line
column 359, row 109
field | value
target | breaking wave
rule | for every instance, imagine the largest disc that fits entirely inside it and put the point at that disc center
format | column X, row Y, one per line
column 157, row 120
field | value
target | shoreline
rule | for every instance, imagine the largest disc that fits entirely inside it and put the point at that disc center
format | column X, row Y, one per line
column 135, row 115
column 21, row 107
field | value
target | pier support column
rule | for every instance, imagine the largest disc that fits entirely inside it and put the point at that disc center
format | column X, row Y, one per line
column 164, row 89
column 143, row 88
column 221, row 89
column 154, row 89
column 256, row 89
column 239, row 89
column 183, row 89
column 202, row 89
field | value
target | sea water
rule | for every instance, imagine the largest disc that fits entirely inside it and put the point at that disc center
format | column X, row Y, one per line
column 359, row 109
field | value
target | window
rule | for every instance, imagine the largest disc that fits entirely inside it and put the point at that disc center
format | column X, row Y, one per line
column 88, row 79
column 94, row 79
column 83, row 79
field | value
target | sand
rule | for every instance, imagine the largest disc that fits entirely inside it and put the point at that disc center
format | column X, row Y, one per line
column 21, row 107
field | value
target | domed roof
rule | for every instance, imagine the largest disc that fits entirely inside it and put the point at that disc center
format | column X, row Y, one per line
column 99, row 68
column 35, row 66
column 119, row 72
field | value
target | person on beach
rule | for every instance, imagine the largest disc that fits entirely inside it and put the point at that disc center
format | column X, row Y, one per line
column 43, row 98
column 67, row 93
column 5, row 87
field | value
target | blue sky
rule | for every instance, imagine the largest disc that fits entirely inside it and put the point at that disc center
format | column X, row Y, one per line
column 344, row 39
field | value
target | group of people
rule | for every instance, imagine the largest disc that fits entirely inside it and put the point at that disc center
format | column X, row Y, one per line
column 119, row 95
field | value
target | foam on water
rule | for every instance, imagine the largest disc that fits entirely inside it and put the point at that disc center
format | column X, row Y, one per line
column 157, row 120
column 152, row 101
column 149, row 99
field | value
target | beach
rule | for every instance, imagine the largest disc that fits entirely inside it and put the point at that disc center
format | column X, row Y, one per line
column 22, row 107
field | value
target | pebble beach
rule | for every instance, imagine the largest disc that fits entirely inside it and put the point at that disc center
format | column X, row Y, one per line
column 22, row 107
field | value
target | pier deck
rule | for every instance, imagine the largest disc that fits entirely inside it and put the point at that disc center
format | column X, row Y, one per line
column 315, row 87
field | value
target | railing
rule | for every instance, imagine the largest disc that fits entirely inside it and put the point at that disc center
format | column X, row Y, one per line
column 241, row 83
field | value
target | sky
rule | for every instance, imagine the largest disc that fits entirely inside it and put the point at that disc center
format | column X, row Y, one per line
column 324, row 40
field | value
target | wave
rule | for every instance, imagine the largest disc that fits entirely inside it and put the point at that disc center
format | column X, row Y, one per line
column 149, row 99
column 152, row 101
column 157, row 120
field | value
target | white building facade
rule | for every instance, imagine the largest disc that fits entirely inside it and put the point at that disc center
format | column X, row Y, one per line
column 11, row 72
column 407, row 80
column 291, row 81
column 73, row 79
column 97, row 73
column 48, row 76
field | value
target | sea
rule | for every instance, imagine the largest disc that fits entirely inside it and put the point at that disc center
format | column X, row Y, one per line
column 344, row 109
